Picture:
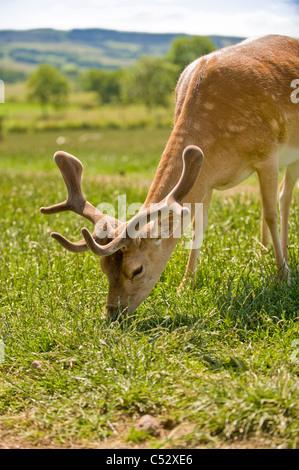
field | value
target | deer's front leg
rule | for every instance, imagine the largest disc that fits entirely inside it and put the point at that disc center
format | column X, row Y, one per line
column 265, row 234
column 198, row 229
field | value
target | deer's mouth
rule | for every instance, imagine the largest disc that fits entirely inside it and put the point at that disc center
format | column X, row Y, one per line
column 116, row 311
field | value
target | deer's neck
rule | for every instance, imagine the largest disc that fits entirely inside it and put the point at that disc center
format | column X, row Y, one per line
column 170, row 168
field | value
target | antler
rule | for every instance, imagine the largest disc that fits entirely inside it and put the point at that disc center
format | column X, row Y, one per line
column 71, row 170
column 192, row 162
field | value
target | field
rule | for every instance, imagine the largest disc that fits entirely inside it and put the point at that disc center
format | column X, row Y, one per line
column 216, row 366
column 82, row 112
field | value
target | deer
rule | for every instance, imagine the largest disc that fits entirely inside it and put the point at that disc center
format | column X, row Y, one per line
column 233, row 117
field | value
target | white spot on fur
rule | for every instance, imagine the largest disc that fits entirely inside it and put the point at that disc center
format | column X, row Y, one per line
column 210, row 140
column 235, row 128
column 209, row 105
column 274, row 124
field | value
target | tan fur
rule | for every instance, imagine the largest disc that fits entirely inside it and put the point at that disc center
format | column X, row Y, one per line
column 235, row 104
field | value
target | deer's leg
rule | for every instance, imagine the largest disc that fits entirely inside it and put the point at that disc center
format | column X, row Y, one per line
column 197, row 227
column 268, row 178
column 285, row 199
column 265, row 234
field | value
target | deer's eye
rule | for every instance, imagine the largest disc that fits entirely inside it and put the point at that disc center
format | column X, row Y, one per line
column 137, row 272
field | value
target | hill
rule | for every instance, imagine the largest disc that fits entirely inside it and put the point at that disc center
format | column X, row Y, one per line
column 22, row 51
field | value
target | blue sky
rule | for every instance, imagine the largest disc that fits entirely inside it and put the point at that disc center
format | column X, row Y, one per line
column 224, row 17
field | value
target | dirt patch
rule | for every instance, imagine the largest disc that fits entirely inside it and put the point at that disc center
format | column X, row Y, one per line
column 162, row 432
column 9, row 441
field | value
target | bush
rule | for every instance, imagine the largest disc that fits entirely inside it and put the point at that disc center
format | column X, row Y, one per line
column 149, row 81
column 106, row 83
column 185, row 50
column 48, row 86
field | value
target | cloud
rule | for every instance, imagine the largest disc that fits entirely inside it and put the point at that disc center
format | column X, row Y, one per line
column 232, row 17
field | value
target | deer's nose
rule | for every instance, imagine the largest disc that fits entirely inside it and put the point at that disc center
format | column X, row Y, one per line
column 114, row 311
column 111, row 311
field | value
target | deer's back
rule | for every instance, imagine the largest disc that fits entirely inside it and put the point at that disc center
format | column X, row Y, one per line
column 246, row 87
column 236, row 104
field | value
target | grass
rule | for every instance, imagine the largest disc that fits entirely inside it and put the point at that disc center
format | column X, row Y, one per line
column 83, row 111
column 216, row 366
column 100, row 151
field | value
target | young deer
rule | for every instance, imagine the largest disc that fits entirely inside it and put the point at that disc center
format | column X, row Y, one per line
column 233, row 107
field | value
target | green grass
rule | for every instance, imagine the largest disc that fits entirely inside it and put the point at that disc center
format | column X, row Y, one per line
column 216, row 365
column 82, row 111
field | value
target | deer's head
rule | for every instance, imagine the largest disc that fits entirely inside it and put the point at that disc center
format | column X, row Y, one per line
column 132, row 254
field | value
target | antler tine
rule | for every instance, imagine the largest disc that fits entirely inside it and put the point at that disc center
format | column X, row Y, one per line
column 116, row 244
column 77, row 247
column 71, row 170
column 192, row 163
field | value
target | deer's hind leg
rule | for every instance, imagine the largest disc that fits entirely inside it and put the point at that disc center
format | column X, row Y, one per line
column 268, row 177
column 285, row 199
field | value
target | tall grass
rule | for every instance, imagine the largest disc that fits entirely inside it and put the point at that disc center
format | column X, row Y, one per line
column 215, row 365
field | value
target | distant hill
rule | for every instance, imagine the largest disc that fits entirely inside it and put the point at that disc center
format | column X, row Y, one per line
column 22, row 51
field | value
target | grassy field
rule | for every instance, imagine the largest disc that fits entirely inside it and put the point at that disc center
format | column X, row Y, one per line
column 82, row 111
column 216, row 367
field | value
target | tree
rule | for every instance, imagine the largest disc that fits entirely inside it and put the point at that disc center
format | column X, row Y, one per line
column 48, row 86
column 150, row 81
column 184, row 50
column 106, row 83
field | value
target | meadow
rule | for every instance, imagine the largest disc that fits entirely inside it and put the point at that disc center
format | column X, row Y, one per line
column 216, row 366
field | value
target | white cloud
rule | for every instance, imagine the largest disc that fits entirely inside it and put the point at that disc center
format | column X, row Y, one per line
column 233, row 17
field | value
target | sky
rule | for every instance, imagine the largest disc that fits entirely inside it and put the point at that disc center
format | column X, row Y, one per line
column 199, row 17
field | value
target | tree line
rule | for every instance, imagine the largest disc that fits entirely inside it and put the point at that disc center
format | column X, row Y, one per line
column 150, row 80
